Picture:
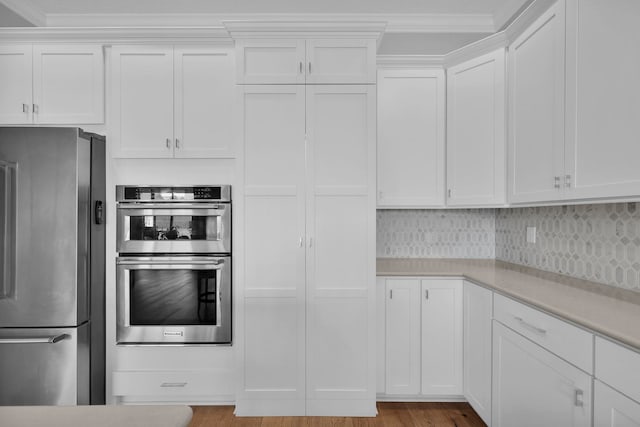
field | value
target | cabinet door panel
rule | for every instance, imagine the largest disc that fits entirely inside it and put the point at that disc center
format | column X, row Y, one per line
column 142, row 101
column 613, row 409
column 476, row 131
column 411, row 138
column 271, row 61
column 340, row 61
column 441, row 337
column 602, row 100
column 536, row 73
column 15, row 84
column 68, row 84
column 402, row 336
column 532, row 387
column 204, row 102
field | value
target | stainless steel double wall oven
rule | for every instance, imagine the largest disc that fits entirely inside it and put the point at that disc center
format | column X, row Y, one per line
column 174, row 264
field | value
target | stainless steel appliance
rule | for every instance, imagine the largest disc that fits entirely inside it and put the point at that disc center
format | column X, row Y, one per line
column 52, row 184
column 173, row 282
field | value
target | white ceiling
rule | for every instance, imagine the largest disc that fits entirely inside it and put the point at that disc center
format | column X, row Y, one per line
column 401, row 15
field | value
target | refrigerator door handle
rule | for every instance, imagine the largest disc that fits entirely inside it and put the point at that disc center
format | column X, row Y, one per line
column 99, row 212
column 33, row 340
column 8, row 192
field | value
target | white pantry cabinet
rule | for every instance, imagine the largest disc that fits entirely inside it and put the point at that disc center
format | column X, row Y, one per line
column 51, row 84
column 536, row 109
column 411, row 138
column 478, row 313
column 423, row 341
column 172, row 101
column 532, row 387
column 306, row 261
column 299, row 61
column 476, row 128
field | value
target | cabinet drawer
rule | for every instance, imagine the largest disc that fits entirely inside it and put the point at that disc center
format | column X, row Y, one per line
column 169, row 383
column 565, row 340
column 618, row 367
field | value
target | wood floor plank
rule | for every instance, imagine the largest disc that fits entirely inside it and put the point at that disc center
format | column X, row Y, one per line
column 390, row 414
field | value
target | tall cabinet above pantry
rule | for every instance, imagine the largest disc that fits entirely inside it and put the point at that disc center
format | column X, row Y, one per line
column 305, row 275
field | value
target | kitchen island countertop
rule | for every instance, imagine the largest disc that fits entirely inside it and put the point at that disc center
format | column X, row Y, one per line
column 607, row 310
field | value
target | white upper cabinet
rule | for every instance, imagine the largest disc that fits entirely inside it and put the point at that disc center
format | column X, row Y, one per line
column 603, row 111
column 51, row 84
column 476, row 160
column 411, row 138
column 168, row 102
column 536, row 109
column 314, row 61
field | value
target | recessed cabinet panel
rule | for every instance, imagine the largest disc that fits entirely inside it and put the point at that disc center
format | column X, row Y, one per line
column 340, row 61
column 204, row 102
column 613, row 409
column 536, row 74
column 271, row 61
column 68, row 84
column 15, row 84
column 411, row 138
column 143, row 94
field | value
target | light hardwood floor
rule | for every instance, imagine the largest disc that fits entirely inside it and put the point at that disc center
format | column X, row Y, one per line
column 390, row 414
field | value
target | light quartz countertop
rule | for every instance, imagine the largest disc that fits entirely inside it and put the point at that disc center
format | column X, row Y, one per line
column 610, row 311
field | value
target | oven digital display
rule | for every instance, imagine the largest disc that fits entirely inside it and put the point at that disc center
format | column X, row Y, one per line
column 172, row 193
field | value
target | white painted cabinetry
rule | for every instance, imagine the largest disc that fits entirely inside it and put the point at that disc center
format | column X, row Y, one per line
column 478, row 313
column 51, row 84
column 172, row 102
column 307, row 264
column 295, row 61
column 411, row 138
column 613, row 409
column 476, row 151
column 536, row 109
column 423, row 342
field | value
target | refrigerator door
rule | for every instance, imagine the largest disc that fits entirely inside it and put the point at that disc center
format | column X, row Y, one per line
column 44, row 366
column 52, row 214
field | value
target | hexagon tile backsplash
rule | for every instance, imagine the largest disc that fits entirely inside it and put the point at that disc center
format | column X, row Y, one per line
column 600, row 242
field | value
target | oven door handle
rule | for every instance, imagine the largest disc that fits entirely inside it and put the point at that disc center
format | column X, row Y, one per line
column 169, row 261
column 172, row 205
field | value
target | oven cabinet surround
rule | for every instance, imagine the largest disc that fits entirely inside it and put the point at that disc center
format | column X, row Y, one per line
column 422, row 352
column 51, row 84
column 476, row 131
column 312, row 61
column 616, row 393
column 305, row 250
column 172, row 101
column 573, row 117
column 411, row 137
column 477, row 336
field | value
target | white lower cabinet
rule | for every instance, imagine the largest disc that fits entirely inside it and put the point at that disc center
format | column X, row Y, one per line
column 478, row 311
column 613, row 409
column 533, row 387
column 423, row 350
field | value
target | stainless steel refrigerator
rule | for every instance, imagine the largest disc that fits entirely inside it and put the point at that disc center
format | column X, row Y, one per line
column 52, row 188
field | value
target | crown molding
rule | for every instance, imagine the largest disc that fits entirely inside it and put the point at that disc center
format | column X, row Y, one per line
column 294, row 29
column 477, row 48
column 410, row 61
column 27, row 10
column 526, row 18
column 117, row 35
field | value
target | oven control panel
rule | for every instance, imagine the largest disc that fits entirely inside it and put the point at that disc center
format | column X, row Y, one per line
column 150, row 193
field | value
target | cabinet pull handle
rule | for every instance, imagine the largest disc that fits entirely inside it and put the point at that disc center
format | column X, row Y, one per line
column 168, row 142
column 556, row 182
column 310, row 241
column 390, row 293
column 300, row 241
column 177, row 143
column 35, row 109
column 173, row 384
column 529, row 326
column 25, row 108
column 567, row 181
column 579, row 398
column 309, row 67
column 449, row 193
column 300, row 67
column 426, row 294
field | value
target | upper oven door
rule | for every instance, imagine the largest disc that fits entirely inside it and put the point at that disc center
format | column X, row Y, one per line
column 174, row 228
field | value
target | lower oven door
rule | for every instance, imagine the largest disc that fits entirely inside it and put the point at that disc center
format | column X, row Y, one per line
column 173, row 300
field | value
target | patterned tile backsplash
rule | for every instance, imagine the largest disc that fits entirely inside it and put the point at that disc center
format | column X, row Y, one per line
column 600, row 242
column 464, row 233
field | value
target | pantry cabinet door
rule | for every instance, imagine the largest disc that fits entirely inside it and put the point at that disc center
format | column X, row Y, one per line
column 205, row 95
column 402, row 326
column 15, row 84
column 441, row 370
column 411, row 138
column 476, row 151
column 341, row 61
column 68, row 84
column 602, row 147
column 141, row 101
column 536, row 109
